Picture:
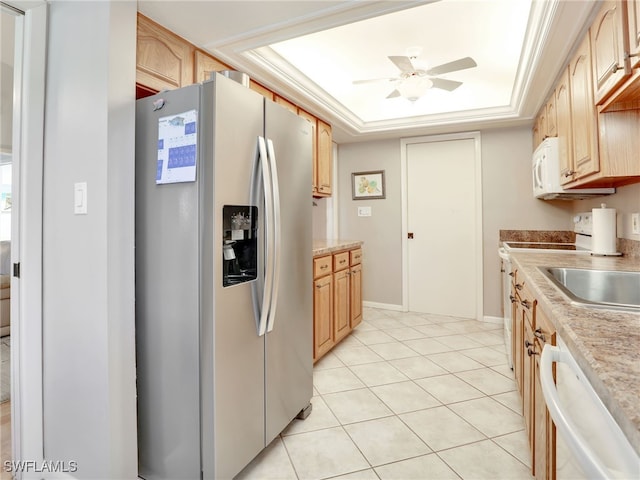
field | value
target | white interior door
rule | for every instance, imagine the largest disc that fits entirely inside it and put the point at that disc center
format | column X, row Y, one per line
column 442, row 245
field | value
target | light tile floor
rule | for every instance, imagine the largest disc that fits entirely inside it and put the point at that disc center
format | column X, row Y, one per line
column 407, row 396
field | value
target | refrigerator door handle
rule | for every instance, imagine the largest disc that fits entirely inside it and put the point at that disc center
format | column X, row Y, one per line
column 265, row 308
column 276, row 234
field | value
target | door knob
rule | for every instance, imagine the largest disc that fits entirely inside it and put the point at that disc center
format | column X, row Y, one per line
column 410, row 235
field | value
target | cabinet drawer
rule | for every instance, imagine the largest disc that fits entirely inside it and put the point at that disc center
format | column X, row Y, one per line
column 321, row 266
column 356, row 256
column 340, row 261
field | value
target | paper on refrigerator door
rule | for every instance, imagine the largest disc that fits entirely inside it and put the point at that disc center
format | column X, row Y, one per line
column 177, row 148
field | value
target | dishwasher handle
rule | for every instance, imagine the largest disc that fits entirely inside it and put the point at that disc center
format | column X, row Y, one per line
column 577, row 444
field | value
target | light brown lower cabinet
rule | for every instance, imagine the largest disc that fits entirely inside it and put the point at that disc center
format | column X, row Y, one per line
column 527, row 383
column 337, row 298
column 517, row 316
column 322, row 316
column 356, row 295
column 544, row 444
column 341, row 307
column 531, row 331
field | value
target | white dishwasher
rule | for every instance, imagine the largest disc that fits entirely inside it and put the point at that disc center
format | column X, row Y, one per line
column 589, row 442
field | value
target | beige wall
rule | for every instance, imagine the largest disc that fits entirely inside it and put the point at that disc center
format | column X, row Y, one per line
column 319, row 218
column 507, row 203
column 381, row 232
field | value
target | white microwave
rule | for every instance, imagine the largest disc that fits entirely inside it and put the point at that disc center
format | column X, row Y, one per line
column 546, row 176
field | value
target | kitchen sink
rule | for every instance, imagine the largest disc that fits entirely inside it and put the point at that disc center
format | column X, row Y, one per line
column 597, row 288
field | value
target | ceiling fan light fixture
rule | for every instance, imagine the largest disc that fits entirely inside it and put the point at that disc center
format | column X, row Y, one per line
column 414, row 87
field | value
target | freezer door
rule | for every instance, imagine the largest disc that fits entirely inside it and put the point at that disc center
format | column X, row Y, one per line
column 232, row 360
column 289, row 356
column 167, row 303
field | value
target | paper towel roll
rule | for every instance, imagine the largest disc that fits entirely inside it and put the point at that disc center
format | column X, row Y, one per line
column 603, row 236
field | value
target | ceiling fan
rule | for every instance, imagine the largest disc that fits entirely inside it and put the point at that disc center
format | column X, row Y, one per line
column 413, row 81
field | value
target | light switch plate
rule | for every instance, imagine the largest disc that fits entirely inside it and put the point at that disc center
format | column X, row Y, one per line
column 364, row 211
column 635, row 223
column 80, row 198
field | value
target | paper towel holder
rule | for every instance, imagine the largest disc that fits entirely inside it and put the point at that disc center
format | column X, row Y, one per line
column 610, row 231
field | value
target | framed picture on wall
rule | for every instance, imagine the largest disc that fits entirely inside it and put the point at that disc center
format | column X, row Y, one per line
column 367, row 185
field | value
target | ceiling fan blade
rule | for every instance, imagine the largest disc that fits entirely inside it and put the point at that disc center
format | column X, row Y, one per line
column 403, row 63
column 460, row 64
column 373, row 80
column 444, row 84
column 394, row 94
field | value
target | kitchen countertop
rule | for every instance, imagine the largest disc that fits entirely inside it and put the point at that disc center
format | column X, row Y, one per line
column 605, row 343
column 324, row 247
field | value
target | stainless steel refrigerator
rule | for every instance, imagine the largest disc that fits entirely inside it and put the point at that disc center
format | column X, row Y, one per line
column 223, row 277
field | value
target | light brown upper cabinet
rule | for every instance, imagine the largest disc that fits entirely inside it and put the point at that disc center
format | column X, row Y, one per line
column 551, row 117
column 627, row 94
column 609, row 42
column 540, row 127
column 565, row 137
column 610, row 158
column 205, row 65
column 164, row 61
column 325, row 160
column 314, row 137
column 584, row 124
column 633, row 22
column 545, row 124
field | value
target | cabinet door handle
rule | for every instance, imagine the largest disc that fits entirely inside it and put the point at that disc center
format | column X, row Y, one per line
column 531, row 352
column 512, row 298
column 615, row 68
column 570, row 173
column 324, row 267
column 527, row 343
column 511, row 274
column 526, row 304
column 538, row 333
column 518, row 286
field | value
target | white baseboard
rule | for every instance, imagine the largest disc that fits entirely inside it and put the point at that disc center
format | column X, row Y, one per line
column 398, row 308
column 385, row 306
column 490, row 319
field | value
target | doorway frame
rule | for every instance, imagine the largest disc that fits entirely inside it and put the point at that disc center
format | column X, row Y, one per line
column 26, row 307
column 404, row 143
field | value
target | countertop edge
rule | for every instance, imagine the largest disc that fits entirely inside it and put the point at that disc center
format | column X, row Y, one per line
column 325, row 247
